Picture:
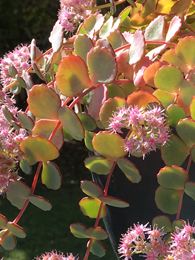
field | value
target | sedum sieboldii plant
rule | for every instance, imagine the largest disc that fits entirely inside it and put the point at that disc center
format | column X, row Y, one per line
column 124, row 85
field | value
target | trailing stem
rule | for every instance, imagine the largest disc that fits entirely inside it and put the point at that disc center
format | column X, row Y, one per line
column 182, row 192
column 89, row 244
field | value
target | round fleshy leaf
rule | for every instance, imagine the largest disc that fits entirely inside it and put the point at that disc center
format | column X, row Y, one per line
column 186, row 130
column 44, row 128
column 43, row 102
column 174, row 114
column 155, row 30
column 16, row 230
column 162, row 222
column 25, row 121
column 90, row 207
column 193, row 154
column 25, row 167
column 166, row 98
column 172, row 177
column 72, row 76
column 8, row 241
column 174, row 151
column 37, row 149
column 87, row 121
column 115, row 91
column 170, row 57
column 108, row 108
column 78, row 230
column 114, row 202
column 141, row 99
column 180, row 223
column 185, row 49
column 91, row 189
column 82, row 46
column 116, row 39
column 108, row 144
column 187, row 91
column 71, row 123
column 97, row 248
column 192, row 108
column 98, row 165
column 129, row 169
column 88, row 140
column 56, row 36
column 40, row 202
column 101, row 64
column 167, row 200
column 168, row 78
column 3, row 221
column 150, row 72
column 17, row 193
column 190, row 189
column 51, row 176
column 97, row 233
column 106, row 28
column 136, row 50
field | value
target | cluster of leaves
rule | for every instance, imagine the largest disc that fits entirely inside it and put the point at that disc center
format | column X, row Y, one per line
column 144, row 56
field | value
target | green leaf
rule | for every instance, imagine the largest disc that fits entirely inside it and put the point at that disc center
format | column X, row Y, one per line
column 43, row 102
column 17, row 193
column 16, row 230
column 97, row 248
column 162, row 222
column 98, row 165
column 115, row 91
column 37, row 149
column 174, row 114
column 25, row 167
column 40, row 202
column 192, row 108
column 51, row 176
column 173, row 177
column 87, row 121
column 174, row 151
column 108, row 144
column 106, row 28
column 3, row 221
column 90, row 207
column 114, row 202
column 168, row 78
column 193, row 153
column 101, row 64
column 71, row 123
column 78, row 230
column 186, row 130
column 129, row 169
column 97, row 233
column 82, row 46
column 155, row 30
column 25, row 121
column 166, row 98
column 72, row 76
column 167, row 200
column 8, row 241
column 116, row 39
column 88, row 140
column 108, row 108
column 91, row 189
column 187, row 91
column 190, row 189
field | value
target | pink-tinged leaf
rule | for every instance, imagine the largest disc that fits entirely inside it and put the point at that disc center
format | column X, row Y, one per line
column 56, row 36
column 156, row 51
column 136, row 50
column 155, row 30
column 174, row 26
column 99, row 96
column 139, row 69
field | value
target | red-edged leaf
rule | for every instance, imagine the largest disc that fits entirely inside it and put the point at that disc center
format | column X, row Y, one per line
column 155, row 30
column 174, row 27
column 136, row 50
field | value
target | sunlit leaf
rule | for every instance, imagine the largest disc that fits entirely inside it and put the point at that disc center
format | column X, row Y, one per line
column 116, row 39
column 129, row 169
column 43, row 102
column 25, row 121
column 82, row 46
column 98, row 165
column 40, row 202
column 174, row 27
column 37, row 149
column 166, row 98
column 141, row 99
column 150, row 72
column 136, row 50
column 155, row 30
column 192, row 108
column 181, row 6
column 88, row 140
column 186, row 130
column 167, row 200
column 90, row 207
column 106, row 28
column 87, row 121
column 51, row 176
column 108, row 144
column 56, row 36
column 72, row 76
column 174, row 114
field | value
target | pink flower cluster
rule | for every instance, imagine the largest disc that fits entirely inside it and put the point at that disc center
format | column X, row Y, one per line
column 147, row 128
column 72, row 12
column 14, row 62
column 9, row 143
column 56, row 256
column 153, row 244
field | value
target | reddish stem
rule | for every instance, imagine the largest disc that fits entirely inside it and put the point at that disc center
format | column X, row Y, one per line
column 182, row 192
column 89, row 244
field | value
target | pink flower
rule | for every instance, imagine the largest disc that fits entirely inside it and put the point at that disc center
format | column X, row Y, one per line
column 16, row 61
column 53, row 255
column 147, row 128
column 72, row 12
